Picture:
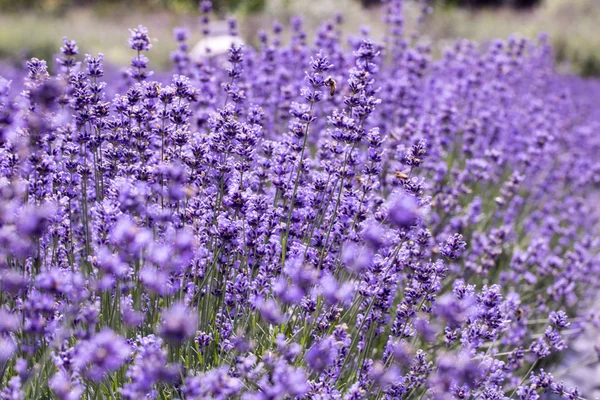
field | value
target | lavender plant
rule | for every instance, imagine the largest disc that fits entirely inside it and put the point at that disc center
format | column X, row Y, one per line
column 330, row 220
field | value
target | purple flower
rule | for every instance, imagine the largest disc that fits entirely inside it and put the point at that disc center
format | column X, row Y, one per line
column 270, row 311
column 34, row 220
column 178, row 323
column 103, row 354
column 403, row 211
column 7, row 348
column 8, row 322
column 180, row 34
column 215, row 384
column 321, row 354
column 333, row 292
column 64, row 387
column 559, row 319
column 453, row 246
column 139, row 39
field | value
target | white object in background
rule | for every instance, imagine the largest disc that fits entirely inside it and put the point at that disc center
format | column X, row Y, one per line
column 214, row 46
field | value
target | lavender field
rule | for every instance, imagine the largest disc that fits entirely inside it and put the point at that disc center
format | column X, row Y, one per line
column 341, row 217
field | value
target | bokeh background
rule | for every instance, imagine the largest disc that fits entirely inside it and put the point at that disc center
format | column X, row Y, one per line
column 34, row 28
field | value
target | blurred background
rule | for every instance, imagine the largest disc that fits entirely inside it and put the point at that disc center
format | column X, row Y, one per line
column 35, row 28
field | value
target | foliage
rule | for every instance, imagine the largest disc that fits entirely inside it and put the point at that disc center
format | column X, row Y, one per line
column 60, row 6
column 495, row 3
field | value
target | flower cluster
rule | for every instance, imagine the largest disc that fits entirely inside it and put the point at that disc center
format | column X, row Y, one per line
column 309, row 221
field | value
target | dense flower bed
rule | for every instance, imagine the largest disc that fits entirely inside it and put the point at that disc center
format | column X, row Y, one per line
column 336, row 220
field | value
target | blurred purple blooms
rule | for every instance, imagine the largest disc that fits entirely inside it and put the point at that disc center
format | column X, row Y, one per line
column 103, row 354
column 178, row 323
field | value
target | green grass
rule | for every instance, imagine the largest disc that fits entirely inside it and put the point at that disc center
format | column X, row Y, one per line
column 573, row 26
column 38, row 35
